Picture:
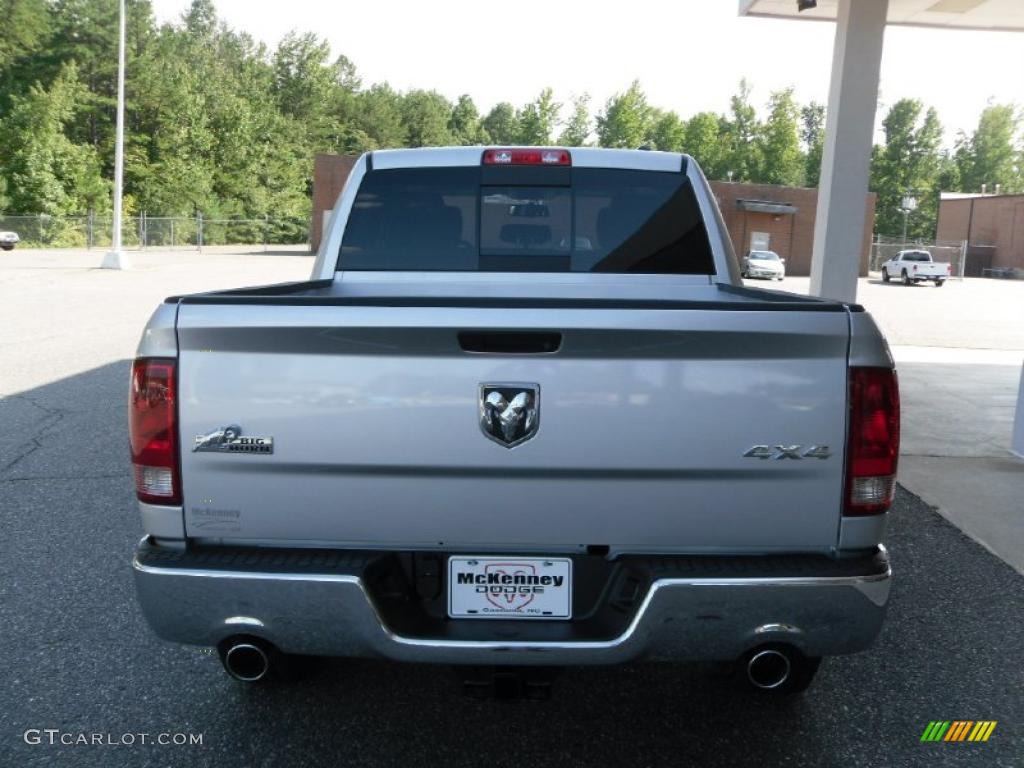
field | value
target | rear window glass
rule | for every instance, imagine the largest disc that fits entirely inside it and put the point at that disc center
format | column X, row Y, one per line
column 448, row 219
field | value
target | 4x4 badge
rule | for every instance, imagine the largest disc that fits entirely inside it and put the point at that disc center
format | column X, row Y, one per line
column 788, row 452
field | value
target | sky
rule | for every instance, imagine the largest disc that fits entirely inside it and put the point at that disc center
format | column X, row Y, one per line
column 688, row 55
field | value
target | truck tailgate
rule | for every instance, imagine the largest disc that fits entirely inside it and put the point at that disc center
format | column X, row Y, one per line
column 645, row 417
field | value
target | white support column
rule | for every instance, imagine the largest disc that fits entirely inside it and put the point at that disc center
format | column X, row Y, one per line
column 846, row 161
column 1017, row 439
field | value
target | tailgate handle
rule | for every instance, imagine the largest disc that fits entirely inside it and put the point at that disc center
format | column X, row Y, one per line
column 510, row 342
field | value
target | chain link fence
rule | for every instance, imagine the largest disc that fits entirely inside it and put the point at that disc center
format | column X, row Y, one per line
column 885, row 248
column 144, row 231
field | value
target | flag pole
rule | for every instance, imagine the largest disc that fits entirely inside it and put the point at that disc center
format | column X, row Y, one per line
column 115, row 257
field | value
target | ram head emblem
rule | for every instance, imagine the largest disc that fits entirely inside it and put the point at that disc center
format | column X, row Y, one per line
column 509, row 413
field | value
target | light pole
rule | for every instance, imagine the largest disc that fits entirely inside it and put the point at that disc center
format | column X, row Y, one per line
column 909, row 204
column 115, row 257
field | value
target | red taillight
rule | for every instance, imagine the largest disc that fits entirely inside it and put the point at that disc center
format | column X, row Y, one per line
column 152, row 429
column 873, row 444
column 949, row 269
column 530, row 156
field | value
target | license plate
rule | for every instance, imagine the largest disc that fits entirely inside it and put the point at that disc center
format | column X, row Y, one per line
column 510, row 588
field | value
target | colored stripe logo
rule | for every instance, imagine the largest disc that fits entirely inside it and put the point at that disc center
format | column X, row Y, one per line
column 959, row 730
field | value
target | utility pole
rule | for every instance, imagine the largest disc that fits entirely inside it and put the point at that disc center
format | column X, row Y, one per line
column 115, row 257
column 909, row 204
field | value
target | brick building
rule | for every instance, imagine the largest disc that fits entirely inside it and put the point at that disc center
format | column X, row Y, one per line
column 762, row 215
column 329, row 175
column 992, row 225
column 780, row 219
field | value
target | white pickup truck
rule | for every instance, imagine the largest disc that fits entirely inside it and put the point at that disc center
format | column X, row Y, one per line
column 915, row 266
column 525, row 413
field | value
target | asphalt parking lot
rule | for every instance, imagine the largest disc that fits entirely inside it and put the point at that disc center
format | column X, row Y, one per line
column 78, row 657
column 972, row 313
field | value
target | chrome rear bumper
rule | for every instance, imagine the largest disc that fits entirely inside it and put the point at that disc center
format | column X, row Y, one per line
column 329, row 611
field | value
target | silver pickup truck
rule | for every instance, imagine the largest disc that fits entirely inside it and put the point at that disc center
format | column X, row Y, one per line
column 524, row 413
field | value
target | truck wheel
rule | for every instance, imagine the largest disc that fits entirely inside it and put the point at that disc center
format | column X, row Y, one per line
column 885, row 275
column 776, row 670
column 7, row 246
column 939, row 283
column 906, row 278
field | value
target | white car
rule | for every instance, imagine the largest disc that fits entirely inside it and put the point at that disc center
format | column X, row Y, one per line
column 8, row 240
column 764, row 264
column 914, row 266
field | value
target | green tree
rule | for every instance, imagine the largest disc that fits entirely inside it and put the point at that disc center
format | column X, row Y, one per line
column 426, row 115
column 908, row 163
column 537, row 120
column 991, row 155
column 305, row 81
column 928, row 164
column 201, row 20
column 26, row 35
column 704, row 141
column 501, row 124
column 377, row 113
column 812, row 133
column 46, row 171
column 577, row 127
column 464, row 123
column 667, row 132
column 169, row 158
column 25, row 29
column 740, row 133
column 948, row 177
column 86, row 32
column 778, row 142
column 626, row 120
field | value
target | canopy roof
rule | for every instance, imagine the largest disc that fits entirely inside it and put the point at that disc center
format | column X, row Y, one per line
column 1005, row 15
column 765, row 206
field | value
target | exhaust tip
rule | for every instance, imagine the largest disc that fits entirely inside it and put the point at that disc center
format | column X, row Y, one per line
column 246, row 662
column 769, row 669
